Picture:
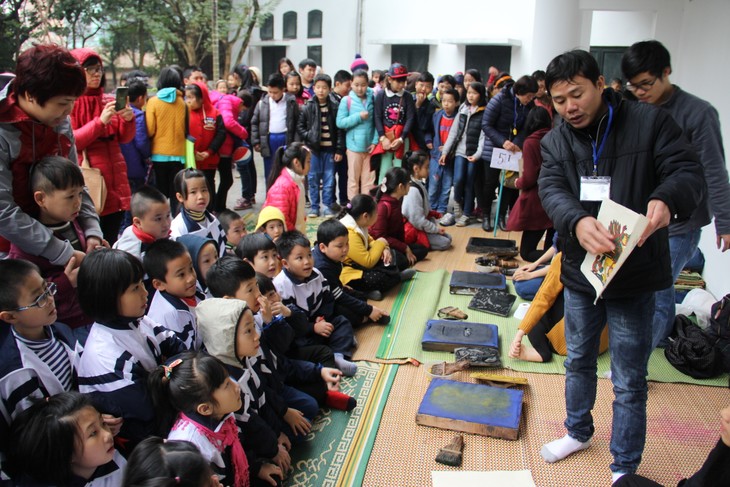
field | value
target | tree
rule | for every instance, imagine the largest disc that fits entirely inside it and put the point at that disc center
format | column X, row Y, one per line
column 19, row 21
column 239, row 26
column 81, row 19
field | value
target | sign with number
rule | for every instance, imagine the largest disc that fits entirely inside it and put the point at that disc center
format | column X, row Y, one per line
column 504, row 159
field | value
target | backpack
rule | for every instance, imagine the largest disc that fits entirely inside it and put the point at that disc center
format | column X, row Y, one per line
column 692, row 351
column 719, row 329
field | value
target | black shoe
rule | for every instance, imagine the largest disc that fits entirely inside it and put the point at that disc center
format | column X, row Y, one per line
column 487, row 225
column 383, row 320
column 502, row 223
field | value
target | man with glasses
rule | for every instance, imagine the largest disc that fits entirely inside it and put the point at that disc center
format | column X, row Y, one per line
column 647, row 67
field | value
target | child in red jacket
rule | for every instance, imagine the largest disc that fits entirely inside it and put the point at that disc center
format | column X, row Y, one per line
column 390, row 222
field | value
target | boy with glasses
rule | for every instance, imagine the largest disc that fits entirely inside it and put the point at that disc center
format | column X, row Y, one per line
column 36, row 355
column 647, row 66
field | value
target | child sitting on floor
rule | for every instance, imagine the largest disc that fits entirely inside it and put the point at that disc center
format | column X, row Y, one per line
column 417, row 210
column 191, row 190
column 150, row 222
column 195, row 398
column 271, row 222
column 63, row 441
column 36, row 356
column 234, row 227
column 368, row 267
column 170, row 267
column 329, row 251
column 389, row 224
column 123, row 345
column 260, row 251
column 303, row 286
column 204, row 253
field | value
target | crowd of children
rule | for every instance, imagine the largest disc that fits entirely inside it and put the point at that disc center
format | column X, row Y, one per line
column 189, row 328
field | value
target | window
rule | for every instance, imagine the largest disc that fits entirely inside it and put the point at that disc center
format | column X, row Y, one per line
column 290, row 25
column 315, row 53
column 415, row 57
column 266, row 31
column 270, row 56
column 481, row 57
column 314, row 24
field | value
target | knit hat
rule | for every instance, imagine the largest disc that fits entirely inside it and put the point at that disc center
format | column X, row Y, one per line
column 397, row 71
column 269, row 213
column 359, row 63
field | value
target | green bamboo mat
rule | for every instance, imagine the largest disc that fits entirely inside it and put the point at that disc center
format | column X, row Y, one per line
column 421, row 299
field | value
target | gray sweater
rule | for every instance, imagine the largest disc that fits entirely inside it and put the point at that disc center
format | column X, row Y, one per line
column 415, row 208
column 701, row 125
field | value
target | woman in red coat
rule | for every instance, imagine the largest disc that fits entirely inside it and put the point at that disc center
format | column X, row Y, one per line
column 98, row 130
column 527, row 215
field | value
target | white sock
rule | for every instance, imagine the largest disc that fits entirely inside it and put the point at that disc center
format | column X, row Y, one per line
column 559, row 449
column 616, row 475
column 348, row 368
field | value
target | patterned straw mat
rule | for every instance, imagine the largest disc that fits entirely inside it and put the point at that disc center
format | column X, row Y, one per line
column 680, row 435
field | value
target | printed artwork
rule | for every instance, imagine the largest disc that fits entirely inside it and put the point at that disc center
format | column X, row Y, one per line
column 625, row 227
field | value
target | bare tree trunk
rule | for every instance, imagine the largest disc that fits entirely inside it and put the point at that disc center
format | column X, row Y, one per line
column 247, row 37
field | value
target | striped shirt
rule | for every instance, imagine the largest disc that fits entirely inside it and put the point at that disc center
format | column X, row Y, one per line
column 52, row 353
column 325, row 135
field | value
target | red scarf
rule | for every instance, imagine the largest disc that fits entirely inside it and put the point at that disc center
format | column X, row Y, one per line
column 226, row 436
column 143, row 237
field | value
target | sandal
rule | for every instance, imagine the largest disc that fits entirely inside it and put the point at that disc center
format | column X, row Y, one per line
column 452, row 313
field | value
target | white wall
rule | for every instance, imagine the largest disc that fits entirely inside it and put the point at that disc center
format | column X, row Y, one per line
column 611, row 28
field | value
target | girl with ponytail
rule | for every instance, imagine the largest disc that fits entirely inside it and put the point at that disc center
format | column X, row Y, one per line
column 285, row 186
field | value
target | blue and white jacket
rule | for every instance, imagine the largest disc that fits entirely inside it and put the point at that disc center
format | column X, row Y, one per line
column 114, row 365
column 175, row 315
column 182, row 224
column 24, row 377
column 313, row 295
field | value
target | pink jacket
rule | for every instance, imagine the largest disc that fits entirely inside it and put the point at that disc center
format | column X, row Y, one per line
column 284, row 194
column 229, row 106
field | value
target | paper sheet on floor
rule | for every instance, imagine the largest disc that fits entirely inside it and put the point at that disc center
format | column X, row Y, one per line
column 516, row 478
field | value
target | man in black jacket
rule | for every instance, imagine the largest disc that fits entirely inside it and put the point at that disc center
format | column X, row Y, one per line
column 635, row 155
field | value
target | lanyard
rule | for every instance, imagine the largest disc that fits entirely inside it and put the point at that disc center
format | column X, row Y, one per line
column 514, row 120
column 597, row 152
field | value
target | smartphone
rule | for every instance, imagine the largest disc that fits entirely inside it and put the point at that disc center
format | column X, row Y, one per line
column 121, row 98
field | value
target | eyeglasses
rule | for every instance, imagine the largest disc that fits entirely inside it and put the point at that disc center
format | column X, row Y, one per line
column 93, row 69
column 645, row 86
column 42, row 300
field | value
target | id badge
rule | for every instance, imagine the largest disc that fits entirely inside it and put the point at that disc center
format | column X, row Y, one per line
column 595, row 188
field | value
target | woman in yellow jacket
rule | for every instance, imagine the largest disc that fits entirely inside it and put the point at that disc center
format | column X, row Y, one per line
column 166, row 125
column 544, row 325
column 368, row 267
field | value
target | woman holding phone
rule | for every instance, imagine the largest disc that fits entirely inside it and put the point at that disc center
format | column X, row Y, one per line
column 99, row 128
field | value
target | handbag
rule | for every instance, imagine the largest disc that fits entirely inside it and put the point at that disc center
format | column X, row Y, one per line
column 95, row 184
column 510, row 178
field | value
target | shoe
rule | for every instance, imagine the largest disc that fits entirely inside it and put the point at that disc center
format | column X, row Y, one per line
column 313, row 214
column 307, row 204
column 463, row 221
column 375, row 295
column 328, row 213
column 242, row 204
column 487, row 225
column 383, row 320
column 407, row 274
column 457, row 210
column 502, row 223
column 447, row 220
column 252, row 199
column 452, row 313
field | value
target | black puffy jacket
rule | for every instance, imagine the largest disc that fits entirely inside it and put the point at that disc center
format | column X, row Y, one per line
column 647, row 157
column 499, row 120
column 309, row 126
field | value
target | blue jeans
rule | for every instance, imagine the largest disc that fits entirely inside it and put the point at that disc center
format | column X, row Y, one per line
column 527, row 289
column 244, row 170
column 630, row 348
column 681, row 249
column 464, row 183
column 323, row 169
column 275, row 141
column 439, row 185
